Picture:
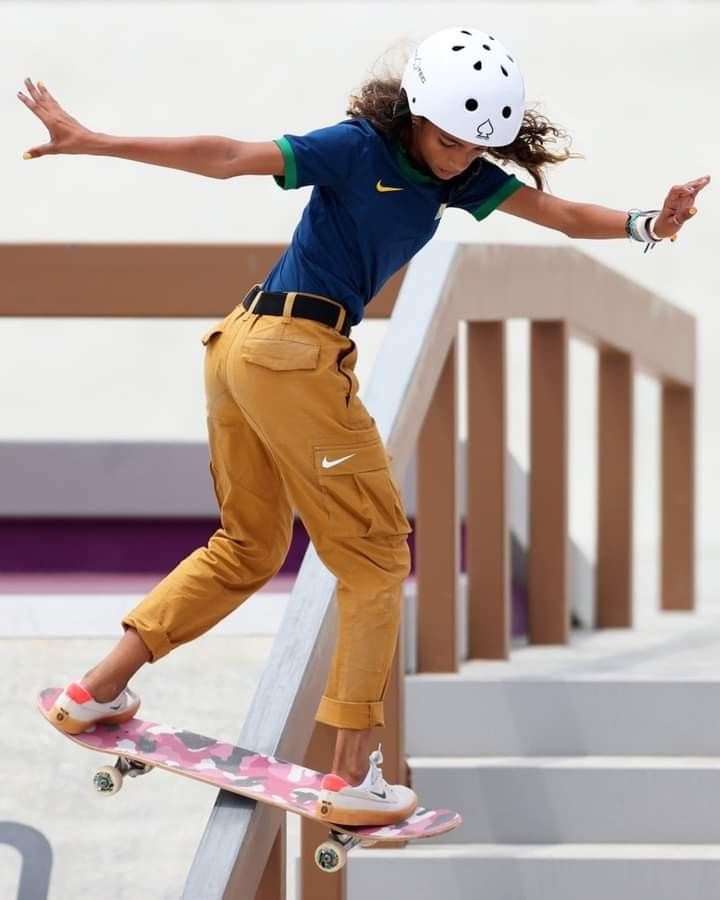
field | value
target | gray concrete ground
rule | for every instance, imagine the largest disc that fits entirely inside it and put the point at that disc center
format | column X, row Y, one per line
column 141, row 841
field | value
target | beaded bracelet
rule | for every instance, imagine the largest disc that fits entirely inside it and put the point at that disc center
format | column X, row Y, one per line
column 639, row 227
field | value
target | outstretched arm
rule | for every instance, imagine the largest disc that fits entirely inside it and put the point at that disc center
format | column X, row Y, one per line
column 586, row 220
column 210, row 155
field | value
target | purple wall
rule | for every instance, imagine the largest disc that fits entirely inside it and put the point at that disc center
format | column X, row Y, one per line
column 136, row 546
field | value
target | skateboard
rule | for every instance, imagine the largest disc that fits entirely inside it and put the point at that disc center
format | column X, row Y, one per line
column 141, row 746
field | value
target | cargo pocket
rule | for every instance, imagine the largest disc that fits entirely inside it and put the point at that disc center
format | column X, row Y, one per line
column 279, row 354
column 360, row 495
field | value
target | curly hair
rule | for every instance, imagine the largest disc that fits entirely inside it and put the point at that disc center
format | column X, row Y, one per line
column 384, row 103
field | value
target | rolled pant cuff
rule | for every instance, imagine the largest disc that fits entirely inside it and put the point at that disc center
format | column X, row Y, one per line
column 155, row 640
column 343, row 714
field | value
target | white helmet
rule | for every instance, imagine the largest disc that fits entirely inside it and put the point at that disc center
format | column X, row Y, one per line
column 465, row 82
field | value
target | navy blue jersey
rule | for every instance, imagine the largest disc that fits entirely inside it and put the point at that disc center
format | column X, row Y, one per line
column 370, row 210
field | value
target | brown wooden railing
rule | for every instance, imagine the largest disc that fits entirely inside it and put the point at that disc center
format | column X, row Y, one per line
column 563, row 293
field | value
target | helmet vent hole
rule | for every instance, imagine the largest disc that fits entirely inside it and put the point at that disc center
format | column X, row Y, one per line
column 507, row 112
column 471, row 105
column 462, row 31
column 510, row 58
column 478, row 65
column 491, row 37
column 504, row 71
column 487, row 47
column 413, row 100
column 458, row 47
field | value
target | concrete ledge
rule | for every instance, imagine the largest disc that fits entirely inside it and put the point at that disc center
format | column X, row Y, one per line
column 575, row 799
column 448, row 716
column 538, row 872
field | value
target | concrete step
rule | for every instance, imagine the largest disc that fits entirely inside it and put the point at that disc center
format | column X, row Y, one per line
column 484, row 715
column 525, row 800
column 539, row 872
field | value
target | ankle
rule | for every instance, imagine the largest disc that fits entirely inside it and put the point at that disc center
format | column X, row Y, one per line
column 353, row 776
column 101, row 689
column 352, row 748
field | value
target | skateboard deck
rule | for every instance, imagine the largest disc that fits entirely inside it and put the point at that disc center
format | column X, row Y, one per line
column 263, row 778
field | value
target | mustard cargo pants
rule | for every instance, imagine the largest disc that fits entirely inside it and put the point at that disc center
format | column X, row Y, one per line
column 288, row 432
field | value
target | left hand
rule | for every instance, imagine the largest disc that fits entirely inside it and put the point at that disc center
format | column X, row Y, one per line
column 679, row 206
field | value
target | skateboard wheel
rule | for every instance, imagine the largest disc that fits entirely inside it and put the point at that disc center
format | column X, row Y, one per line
column 108, row 780
column 330, row 856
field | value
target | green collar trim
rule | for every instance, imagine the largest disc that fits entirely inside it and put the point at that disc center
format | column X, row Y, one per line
column 409, row 170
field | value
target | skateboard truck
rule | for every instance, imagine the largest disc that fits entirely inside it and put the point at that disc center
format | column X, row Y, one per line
column 331, row 855
column 109, row 779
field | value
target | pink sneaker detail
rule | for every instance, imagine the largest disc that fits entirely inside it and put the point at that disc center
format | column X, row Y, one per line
column 333, row 783
column 78, row 693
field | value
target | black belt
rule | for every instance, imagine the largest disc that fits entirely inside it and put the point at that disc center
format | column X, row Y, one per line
column 303, row 306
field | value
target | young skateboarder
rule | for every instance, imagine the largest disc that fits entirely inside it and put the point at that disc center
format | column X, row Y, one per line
column 287, row 432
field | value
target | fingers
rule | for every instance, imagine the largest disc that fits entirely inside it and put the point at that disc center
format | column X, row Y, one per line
column 39, row 94
column 679, row 205
column 687, row 214
column 692, row 188
column 26, row 100
column 32, row 90
column 45, row 93
column 35, row 102
column 680, row 216
column 35, row 152
column 680, row 193
column 32, row 100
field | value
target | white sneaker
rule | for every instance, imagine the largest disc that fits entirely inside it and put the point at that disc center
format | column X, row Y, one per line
column 374, row 802
column 75, row 710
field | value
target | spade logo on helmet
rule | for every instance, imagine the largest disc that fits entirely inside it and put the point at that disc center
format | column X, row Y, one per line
column 485, row 130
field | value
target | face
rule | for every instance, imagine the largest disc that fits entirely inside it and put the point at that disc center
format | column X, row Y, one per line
column 445, row 155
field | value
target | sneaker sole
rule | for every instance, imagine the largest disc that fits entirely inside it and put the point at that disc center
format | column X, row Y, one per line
column 63, row 721
column 328, row 812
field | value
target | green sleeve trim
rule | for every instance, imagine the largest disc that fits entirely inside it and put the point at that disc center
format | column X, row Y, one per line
column 510, row 186
column 288, row 181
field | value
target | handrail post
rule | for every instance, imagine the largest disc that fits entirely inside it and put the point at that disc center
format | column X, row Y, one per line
column 437, row 536
column 678, row 498
column 487, row 536
column 548, row 579
column 615, row 490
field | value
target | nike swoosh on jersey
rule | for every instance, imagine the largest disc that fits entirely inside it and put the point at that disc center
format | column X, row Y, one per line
column 383, row 188
column 328, row 463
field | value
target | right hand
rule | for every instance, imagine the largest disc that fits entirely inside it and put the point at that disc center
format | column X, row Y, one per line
column 67, row 135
